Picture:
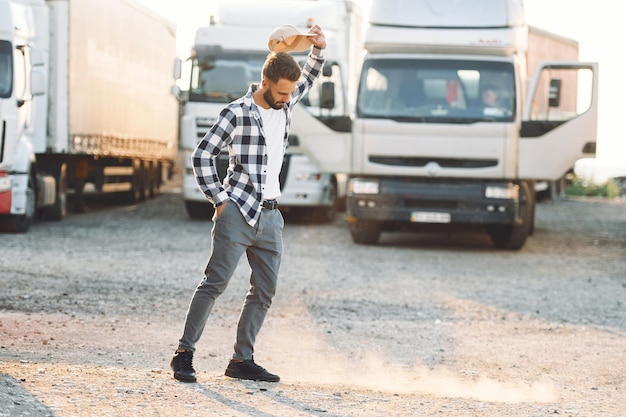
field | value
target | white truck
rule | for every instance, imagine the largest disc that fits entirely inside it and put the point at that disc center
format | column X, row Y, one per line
column 450, row 132
column 228, row 55
column 84, row 101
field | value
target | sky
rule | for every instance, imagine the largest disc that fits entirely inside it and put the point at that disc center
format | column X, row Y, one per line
column 596, row 25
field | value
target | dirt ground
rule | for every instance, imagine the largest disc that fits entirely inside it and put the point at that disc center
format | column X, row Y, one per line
column 91, row 309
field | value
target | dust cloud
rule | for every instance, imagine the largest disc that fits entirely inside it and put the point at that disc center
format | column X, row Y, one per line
column 308, row 356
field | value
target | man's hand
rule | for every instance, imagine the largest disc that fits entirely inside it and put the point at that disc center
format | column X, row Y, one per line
column 319, row 39
column 219, row 209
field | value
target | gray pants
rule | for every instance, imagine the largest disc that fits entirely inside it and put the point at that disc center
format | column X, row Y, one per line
column 263, row 245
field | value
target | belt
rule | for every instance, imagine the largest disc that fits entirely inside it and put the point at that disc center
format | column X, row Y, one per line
column 269, row 204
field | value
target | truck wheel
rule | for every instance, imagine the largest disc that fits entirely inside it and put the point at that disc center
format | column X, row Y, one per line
column 21, row 223
column 58, row 210
column 513, row 237
column 341, row 203
column 145, row 180
column 159, row 173
column 198, row 210
column 136, row 192
column 152, row 180
column 365, row 232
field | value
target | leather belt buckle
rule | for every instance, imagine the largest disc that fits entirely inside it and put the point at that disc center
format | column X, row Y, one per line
column 269, row 204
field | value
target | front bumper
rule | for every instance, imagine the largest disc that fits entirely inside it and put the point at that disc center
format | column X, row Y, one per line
column 436, row 202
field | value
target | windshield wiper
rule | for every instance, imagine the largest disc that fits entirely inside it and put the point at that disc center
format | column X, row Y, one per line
column 407, row 119
column 222, row 95
column 435, row 119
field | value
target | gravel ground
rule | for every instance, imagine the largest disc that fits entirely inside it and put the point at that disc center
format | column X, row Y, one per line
column 91, row 309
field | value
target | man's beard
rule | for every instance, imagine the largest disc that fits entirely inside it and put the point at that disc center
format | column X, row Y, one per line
column 269, row 99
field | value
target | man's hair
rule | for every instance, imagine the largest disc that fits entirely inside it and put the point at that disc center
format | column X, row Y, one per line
column 281, row 65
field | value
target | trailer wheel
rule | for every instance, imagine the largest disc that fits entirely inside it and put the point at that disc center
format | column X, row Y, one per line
column 145, row 180
column 135, row 194
column 366, row 232
column 513, row 237
column 152, row 179
column 22, row 222
column 58, row 210
column 159, row 172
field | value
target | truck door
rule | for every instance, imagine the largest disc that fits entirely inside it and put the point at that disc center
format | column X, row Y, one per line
column 559, row 123
column 328, row 148
column 323, row 130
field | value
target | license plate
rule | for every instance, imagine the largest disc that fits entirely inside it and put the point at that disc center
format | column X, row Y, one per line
column 430, row 217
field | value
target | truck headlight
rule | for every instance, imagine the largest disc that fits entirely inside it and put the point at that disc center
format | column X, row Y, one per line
column 503, row 192
column 359, row 186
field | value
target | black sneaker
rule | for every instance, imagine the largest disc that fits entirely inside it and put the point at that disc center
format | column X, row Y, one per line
column 182, row 366
column 249, row 370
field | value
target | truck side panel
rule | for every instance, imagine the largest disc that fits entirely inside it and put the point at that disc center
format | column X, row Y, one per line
column 547, row 46
column 120, row 59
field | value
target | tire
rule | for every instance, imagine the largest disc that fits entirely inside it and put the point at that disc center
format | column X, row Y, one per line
column 158, row 177
column 513, row 237
column 152, row 180
column 147, row 188
column 198, row 210
column 58, row 210
column 366, row 232
column 136, row 192
column 342, row 204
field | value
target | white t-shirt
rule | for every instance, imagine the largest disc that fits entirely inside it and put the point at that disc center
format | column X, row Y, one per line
column 274, row 122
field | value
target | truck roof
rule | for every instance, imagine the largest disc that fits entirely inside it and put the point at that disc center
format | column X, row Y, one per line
column 300, row 13
column 448, row 13
column 244, row 25
column 486, row 27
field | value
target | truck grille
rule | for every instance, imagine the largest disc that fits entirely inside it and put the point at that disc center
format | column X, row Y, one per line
column 407, row 161
column 202, row 126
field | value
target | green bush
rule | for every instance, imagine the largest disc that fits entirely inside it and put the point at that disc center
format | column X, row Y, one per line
column 612, row 189
column 578, row 187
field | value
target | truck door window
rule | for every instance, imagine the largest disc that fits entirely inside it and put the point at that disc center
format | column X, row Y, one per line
column 312, row 100
column 574, row 88
column 6, row 69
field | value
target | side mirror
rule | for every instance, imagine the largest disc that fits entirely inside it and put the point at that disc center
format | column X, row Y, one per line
column 37, row 82
column 327, row 99
column 37, row 58
column 175, row 91
column 554, row 94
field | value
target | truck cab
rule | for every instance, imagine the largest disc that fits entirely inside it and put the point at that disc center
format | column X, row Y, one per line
column 228, row 56
column 452, row 128
column 23, row 44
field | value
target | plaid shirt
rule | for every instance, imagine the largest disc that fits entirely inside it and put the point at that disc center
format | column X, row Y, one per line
column 239, row 128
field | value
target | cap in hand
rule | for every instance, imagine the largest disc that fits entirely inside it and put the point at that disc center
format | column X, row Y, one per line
column 287, row 38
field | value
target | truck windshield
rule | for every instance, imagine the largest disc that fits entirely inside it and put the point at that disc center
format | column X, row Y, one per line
column 6, row 69
column 224, row 77
column 439, row 91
